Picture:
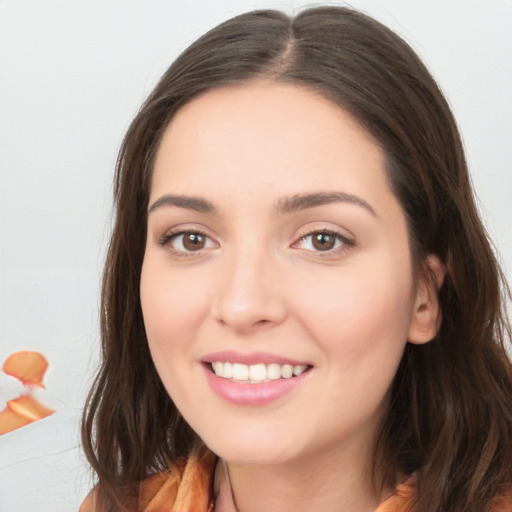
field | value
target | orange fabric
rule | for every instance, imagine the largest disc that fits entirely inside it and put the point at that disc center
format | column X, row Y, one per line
column 402, row 500
column 188, row 488
column 185, row 488
column 182, row 490
column 502, row 503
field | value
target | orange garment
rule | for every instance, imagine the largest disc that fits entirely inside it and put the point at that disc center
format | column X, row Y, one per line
column 185, row 488
column 190, row 488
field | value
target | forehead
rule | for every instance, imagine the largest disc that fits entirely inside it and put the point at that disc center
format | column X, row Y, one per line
column 266, row 136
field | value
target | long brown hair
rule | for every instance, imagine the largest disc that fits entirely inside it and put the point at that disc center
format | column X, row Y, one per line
column 450, row 416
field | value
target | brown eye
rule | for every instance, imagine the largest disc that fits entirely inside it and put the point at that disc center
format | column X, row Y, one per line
column 193, row 241
column 187, row 241
column 323, row 241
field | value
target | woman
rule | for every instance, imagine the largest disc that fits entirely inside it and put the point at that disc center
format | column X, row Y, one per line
column 301, row 308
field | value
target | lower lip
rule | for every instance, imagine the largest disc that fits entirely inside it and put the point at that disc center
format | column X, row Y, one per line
column 252, row 394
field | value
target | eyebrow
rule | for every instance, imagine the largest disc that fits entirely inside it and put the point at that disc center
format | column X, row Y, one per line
column 190, row 203
column 282, row 206
column 310, row 200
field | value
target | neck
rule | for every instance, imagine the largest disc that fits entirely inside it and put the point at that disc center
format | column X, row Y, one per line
column 331, row 481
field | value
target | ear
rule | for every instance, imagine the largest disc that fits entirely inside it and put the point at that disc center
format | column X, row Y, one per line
column 427, row 315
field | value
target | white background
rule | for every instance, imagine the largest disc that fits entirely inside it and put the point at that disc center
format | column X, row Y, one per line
column 72, row 75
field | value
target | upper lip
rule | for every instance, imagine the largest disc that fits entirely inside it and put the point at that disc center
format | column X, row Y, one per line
column 250, row 358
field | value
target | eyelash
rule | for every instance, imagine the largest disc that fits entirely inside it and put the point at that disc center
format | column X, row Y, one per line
column 173, row 235
column 346, row 243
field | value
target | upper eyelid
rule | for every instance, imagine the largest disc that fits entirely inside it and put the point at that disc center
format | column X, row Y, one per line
column 336, row 234
column 174, row 233
column 182, row 228
column 334, row 231
column 337, row 231
column 300, row 233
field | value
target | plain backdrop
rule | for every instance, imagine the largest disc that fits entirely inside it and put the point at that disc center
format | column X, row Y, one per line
column 72, row 75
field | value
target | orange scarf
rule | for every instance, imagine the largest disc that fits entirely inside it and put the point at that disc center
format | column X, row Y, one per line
column 189, row 487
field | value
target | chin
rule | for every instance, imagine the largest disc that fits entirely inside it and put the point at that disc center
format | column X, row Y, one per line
column 256, row 449
column 254, row 456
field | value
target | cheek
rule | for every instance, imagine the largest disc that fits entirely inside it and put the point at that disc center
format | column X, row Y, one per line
column 169, row 299
column 360, row 314
column 361, row 328
column 173, row 311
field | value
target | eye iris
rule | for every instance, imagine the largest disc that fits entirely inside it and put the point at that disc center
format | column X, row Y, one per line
column 193, row 241
column 323, row 241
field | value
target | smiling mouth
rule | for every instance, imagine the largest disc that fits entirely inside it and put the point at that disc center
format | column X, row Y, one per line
column 257, row 373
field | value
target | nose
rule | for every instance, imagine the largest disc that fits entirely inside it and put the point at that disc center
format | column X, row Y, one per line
column 250, row 295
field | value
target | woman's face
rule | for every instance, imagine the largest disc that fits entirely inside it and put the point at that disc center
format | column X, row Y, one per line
column 277, row 285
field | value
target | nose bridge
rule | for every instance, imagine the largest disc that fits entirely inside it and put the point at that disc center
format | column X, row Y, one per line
column 249, row 295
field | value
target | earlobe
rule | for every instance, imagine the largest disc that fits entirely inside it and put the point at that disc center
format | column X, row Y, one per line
column 427, row 315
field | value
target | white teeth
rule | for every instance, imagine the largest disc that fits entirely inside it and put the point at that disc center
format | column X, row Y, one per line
column 227, row 370
column 287, row 371
column 273, row 371
column 256, row 372
column 297, row 370
column 240, row 371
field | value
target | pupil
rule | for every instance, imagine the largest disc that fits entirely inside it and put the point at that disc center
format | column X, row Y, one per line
column 323, row 241
column 193, row 241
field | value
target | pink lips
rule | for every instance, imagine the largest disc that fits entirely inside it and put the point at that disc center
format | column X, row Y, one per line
column 246, row 393
column 229, row 356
